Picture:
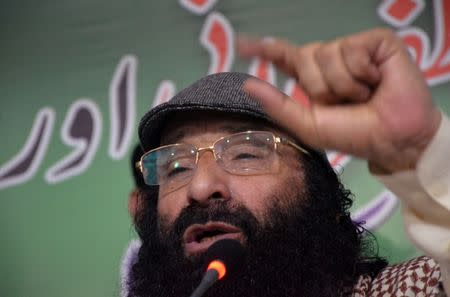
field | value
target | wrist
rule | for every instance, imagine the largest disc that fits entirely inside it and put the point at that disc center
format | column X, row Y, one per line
column 406, row 157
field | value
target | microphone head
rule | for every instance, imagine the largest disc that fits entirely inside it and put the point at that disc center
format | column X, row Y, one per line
column 228, row 251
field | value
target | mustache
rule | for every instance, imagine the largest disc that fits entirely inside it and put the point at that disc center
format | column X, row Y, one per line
column 223, row 211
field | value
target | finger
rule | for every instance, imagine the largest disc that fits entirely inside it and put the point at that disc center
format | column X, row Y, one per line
column 359, row 62
column 296, row 62
column 337, row 76
column 379, row 44
column 342, row 128
column 286, row 112
column 345, row 128
column 276, row 51
column 310, row 77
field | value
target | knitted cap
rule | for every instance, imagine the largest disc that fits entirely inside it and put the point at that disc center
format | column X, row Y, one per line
column 221, row 92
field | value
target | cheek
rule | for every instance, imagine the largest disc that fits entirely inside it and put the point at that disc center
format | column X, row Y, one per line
column 170, row 206
column 257, row 193
column 260, row 193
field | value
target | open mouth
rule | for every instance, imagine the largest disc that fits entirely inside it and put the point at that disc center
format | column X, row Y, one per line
column 198, row 238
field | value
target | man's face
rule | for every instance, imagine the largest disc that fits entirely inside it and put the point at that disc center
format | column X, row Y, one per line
column 211, row 184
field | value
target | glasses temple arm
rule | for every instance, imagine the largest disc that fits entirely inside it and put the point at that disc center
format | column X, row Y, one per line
column 291, row 143
column 138, row 166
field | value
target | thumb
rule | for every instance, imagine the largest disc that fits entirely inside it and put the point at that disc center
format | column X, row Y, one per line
column 296, row 117
column 340, row 127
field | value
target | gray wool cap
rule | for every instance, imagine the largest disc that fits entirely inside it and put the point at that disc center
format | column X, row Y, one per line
column 221, row 92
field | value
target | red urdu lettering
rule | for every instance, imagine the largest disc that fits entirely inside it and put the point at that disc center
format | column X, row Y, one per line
column 434, row 64
column 292, row 89
column 438, row 70
column 198, row 7
column 263, row 70
column 217, row 37
column 400, row 13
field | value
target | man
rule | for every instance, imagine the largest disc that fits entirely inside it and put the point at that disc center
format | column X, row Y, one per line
column 232, row 157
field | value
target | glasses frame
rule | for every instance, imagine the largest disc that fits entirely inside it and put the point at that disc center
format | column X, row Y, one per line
column 277, row 140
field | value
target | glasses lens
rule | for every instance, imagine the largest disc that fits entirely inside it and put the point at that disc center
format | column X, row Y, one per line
column 169, row 164
column 247, row 153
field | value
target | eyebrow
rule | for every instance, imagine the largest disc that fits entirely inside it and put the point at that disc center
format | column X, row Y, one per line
column 172, row 138
column 243, row 128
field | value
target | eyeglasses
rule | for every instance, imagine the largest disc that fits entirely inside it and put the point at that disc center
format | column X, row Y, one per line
column 245, row 153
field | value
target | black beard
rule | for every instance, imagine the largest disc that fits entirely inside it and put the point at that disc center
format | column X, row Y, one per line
column 300, row 250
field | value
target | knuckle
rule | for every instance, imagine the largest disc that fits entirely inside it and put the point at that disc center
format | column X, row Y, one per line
column 308, row 51
column 352, row 90
column 319, row 92
column 358, row 65
column 357, row 60
column 387, row 32
column 325, row 54
column 344, row 88
column 302, row 54
column 350, row 46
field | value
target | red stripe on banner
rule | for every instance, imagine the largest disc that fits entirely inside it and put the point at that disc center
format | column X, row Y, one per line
column 263, row 70
column 440, row 70
column 401, row 9
column 416, row 44
column 199, row 2
column 299, row 95
column 337, row 159
column 218, row 37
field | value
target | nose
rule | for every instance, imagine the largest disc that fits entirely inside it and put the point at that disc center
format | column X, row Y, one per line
column 209, row 182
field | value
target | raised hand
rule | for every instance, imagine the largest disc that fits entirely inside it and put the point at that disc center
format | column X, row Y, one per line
column 367, row 96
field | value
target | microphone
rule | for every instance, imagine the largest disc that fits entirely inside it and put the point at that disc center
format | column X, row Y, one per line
column 223, row 258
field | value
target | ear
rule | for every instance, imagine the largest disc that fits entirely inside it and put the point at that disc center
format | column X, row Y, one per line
column 133, row 203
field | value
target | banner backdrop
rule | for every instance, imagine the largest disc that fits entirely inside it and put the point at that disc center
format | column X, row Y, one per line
column 77, row 76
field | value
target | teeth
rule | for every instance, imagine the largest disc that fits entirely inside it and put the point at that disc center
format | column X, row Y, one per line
column 206, row 239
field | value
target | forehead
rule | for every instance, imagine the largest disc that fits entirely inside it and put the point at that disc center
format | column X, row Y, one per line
column 182, row 125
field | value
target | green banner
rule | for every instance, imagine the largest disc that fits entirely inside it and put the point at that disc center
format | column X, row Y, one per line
column 77, row 76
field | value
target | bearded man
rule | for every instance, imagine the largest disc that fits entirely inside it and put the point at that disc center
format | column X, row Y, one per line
column 231, row 157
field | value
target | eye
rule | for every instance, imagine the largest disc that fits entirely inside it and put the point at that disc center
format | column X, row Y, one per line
column 245, row 153
column 242, row 156
column 176, row 171
column 177, row 168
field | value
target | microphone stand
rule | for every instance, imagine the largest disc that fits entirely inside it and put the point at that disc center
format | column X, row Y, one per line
column 211, row 276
